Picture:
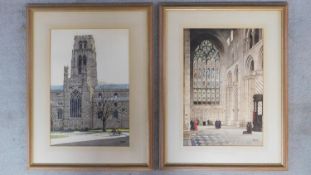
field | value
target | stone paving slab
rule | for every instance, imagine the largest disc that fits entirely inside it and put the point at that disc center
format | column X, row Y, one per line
column 226, row 136
column 81, row 137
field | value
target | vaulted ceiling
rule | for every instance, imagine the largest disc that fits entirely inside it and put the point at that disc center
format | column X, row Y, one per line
column 216, row 36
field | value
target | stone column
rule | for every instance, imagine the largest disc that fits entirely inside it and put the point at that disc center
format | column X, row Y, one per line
column 236, row 105
column 229, row 106
column 250, row 93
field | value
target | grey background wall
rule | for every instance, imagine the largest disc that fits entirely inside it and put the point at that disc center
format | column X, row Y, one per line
column 13, row 117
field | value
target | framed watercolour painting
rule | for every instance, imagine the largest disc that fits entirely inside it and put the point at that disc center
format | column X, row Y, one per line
column 224, row 86
column 89, row 86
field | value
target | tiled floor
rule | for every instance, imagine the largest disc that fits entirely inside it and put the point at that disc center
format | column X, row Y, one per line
column 226, row 136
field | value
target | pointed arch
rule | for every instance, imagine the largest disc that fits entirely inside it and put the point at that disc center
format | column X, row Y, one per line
column 75, row 104
column 100, row 114
column 79, row 64
column 250, row 40
column 80, row 44
column 84, row 44
column 59, row 113
column 249, row 64
column 256, row 35
column 206, row 74
column 115, row 114
column 84, row 60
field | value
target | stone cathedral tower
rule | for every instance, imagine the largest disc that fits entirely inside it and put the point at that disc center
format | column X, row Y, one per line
column 79, row 87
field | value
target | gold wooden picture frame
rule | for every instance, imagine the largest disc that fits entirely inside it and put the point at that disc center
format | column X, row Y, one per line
column 216, row 67
column 123, row 141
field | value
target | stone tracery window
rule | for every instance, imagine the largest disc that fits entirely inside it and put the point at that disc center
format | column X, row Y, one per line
column 206, row 74
column 250, row 40
column 84, row 60
column 59, row 114
column 80, row 64
column 75, row 104
column 100, row 114
column 100, row 95
column 80, row 44
column 256, row 35
column 115, row 114
column 250, row 65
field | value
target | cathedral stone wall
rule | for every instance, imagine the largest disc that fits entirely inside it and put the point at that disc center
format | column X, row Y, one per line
column 121, row 120
column 57, row 109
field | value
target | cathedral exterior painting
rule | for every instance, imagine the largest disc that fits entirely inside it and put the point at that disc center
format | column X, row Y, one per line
column 223, row 87
column 89, row 96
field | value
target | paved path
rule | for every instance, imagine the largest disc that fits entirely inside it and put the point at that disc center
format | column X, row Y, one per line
column 90, row 139
column 226, row 136
column 121, row 141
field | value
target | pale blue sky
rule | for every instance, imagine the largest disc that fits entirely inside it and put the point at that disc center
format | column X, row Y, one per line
column 112, row 54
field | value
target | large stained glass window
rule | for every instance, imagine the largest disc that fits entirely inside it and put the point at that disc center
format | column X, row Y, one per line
column 75, row 104
column 206, row 74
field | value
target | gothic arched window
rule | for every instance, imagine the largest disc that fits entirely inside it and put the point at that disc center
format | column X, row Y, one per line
column 59, row 113
column 75, row 104
column 79, row 64
column 250, row 40
column 100, row 114
column 100, row 95
column 256, row 38
column 80, row 44
column 84, row 44
column 206, row 74
column 115, row 114
column 250, row 65
column 84, row 60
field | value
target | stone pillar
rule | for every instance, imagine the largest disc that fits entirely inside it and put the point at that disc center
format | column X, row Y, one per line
column 231, row 113
column 229, row 106
column 236, row 105
column 250, row 92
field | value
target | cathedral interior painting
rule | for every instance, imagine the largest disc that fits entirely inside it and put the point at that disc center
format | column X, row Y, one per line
column 223, row 87
column 89, row 88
